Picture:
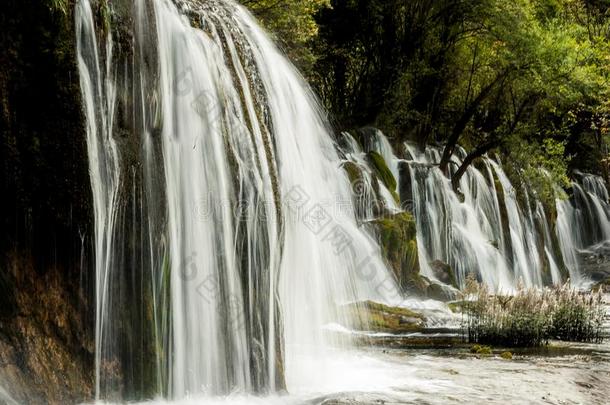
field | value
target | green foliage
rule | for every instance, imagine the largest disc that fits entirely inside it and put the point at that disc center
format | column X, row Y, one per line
column 577, row 319
column 528, row 76
column 292, row 24
column 532, row 317
column 382, row 170
column 482, row 73
column 538, row 166
column 60, row 6
column 480, row 349
column 106, row 16
column 506, row 355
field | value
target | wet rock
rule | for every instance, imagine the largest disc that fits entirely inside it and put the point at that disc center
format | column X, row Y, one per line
column 596, row 262
column 365, row 136
column 443, row 272
column 373, row 316
column 397, row 239
column 382, row 170
column 481, row 350
column 441, row 292
column 506, row 355
column 46, row 347
column 46, row 339
column 405, row 187
column 358, row 399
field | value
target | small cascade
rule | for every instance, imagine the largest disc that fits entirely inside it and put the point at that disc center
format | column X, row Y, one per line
column 583, row 221
column 502, row 235
column 463, row 231
column 372, row 197
column 226, row 239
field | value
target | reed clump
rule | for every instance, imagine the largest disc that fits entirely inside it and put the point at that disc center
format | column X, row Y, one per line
column 531, row 317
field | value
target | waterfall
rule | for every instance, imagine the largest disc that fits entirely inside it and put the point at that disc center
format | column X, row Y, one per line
column 465, row 232
column 502, row 235
column 365, row 189
column 5, row 397
column 583, row 222
column 225, row 234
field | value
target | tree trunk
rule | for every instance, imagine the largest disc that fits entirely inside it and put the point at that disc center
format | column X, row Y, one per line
column 461, row 124
column 472, row 156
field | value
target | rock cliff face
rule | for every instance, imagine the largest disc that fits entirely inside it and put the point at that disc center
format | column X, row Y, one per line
column 45, row 345
column 45, row 226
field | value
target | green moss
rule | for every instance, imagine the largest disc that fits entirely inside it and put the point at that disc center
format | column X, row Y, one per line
column 353, row 172
column 480, row 349
column 378, row 317
column 397, row 238
column 457, row 306
column 401, row 225
column 395, row 311
column 506, row 355
column 105, row 15
column 381, row 169
column 59, row 6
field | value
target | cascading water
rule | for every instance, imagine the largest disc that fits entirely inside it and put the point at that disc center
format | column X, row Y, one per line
column 224, row 230
column 583, row 222
column 487, row 229
column 366, row 189
column 5, row 398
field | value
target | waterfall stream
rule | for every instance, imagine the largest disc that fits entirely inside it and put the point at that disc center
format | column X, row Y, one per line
column 225, row 236
column 502, row 235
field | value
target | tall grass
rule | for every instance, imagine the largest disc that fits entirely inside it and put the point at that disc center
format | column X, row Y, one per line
column 532, row 317
column 59, row 6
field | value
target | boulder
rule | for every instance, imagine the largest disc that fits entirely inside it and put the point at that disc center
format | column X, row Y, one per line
column 377, row 317
column 443, row 273
column 397, row 239
column 596, row 261
column 381, row 169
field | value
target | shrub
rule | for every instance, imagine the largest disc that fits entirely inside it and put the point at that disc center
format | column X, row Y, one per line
column 531, row 317
column 478, row 349
column 506, row 355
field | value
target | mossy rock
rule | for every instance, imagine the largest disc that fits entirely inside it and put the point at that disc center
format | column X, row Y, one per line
column 457, row 307
column 382, row 170
column 397, row 239
column 441, row 292
column 444, row 273
column 374, row 316
column 396, row 228
column 356, row 179
column 398, row 242
column 354, row 173
column 506, row 355
column 480, row 349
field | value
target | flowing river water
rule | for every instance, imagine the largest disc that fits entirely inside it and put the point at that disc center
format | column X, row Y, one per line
column 562, row 373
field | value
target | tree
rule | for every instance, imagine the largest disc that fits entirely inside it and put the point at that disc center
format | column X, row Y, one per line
column 484, row 74
column 292, row 24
